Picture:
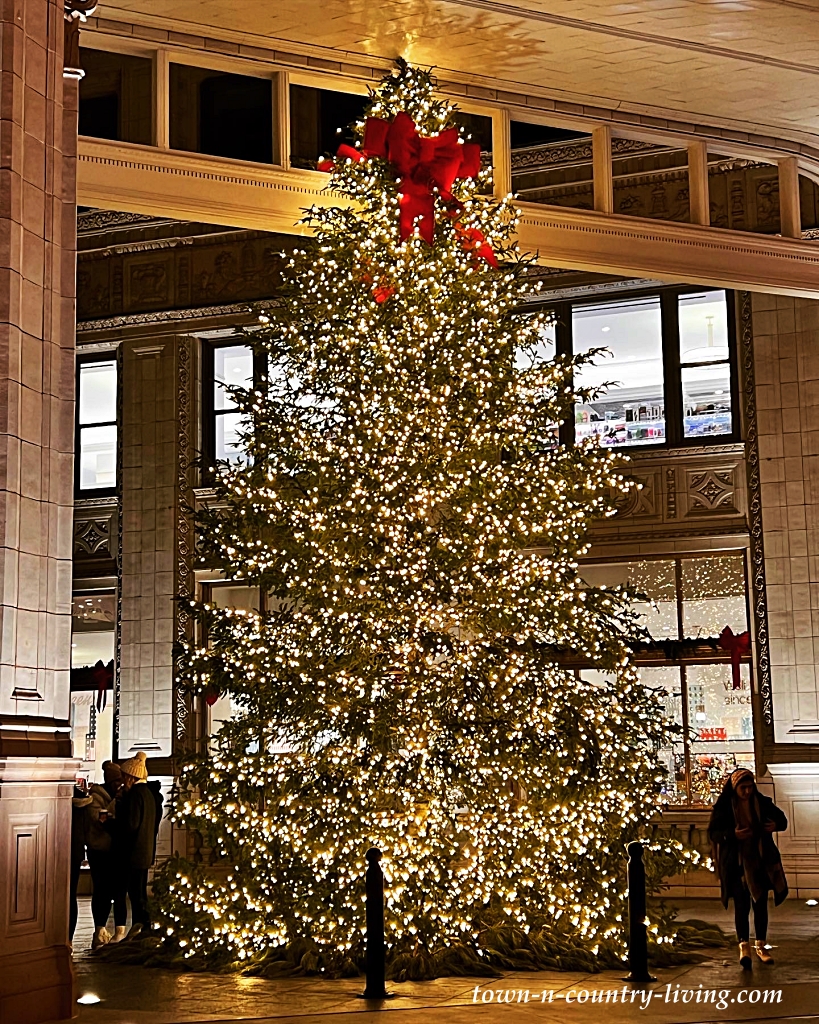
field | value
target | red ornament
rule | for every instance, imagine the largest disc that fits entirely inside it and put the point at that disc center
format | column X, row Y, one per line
column 211, row 698
column 423, row 166
column 738, row 644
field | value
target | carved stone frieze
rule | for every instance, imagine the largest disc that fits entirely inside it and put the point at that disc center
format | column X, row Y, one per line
column 683, row 492
column 711, row 491
column 131, row 267
column 95, row 528
column 640, row 502
column 670, row 493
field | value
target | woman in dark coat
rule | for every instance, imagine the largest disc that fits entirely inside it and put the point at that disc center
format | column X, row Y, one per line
column 746, row 858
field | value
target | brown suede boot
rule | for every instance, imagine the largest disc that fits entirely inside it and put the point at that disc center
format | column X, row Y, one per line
column 745, row 955
column 761, row 950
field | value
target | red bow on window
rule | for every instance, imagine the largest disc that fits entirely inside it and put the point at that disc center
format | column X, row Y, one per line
column 423, row 165
column 738, row 644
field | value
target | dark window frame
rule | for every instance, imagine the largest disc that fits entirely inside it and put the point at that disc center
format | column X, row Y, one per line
column 672, row 363
column 95, row 492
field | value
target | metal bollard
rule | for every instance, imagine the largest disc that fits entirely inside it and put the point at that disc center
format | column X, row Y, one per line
column 376, row 957
column 637, row 932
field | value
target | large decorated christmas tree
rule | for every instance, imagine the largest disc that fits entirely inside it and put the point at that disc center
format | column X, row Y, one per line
column 405, row 507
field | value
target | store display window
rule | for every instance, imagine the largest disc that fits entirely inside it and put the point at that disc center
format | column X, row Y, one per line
column 93, row 645
column 705, row 365
column 632, row 409
column 663, row 368
column 684, row 605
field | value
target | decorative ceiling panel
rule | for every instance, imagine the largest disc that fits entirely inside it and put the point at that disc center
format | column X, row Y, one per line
column 750, row 61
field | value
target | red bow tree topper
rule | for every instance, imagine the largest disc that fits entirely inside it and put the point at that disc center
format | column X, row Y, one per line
column 423, row 166
column 738, row 644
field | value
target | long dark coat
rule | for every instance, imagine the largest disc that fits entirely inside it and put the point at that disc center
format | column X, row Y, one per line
column 726, row 847
column 135, row 828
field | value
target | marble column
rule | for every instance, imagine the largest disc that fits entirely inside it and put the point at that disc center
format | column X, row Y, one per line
column 38, row 131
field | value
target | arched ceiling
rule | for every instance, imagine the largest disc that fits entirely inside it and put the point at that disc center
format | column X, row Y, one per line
column 746, row 62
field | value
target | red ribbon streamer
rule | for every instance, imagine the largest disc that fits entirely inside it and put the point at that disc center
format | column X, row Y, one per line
column 738, row 644
column 422, row 165
column 102, row 677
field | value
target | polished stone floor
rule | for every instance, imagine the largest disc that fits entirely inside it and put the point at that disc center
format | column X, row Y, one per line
column 136, row 995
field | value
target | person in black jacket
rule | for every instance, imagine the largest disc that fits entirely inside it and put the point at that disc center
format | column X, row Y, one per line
column 156, row 788
column 746, row 858
column 79, row 802
column 135, row 838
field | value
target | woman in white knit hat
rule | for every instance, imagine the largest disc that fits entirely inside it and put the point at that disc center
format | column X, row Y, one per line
column 134, row 838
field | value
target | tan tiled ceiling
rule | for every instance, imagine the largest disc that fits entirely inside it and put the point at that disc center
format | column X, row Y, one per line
column 749, row 61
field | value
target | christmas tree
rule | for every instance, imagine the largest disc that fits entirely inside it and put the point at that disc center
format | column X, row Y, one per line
column 405, row 505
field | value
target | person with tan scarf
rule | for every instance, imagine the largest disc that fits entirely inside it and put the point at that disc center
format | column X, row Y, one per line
column 747, row 860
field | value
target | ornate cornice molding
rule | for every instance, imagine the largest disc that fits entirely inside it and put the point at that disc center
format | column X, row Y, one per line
column 91, row 221
column 170, row 316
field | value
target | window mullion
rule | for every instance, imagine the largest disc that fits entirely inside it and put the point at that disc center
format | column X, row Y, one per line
column 733, row 363
column 563, row 346
column 669, row 304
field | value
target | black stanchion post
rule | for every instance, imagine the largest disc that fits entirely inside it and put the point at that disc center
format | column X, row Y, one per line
column 637, row 931
column 376, row 957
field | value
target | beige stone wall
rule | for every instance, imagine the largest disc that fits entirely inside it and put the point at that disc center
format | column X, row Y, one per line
column 786, row 368
column 149, row 429
column 786, row 371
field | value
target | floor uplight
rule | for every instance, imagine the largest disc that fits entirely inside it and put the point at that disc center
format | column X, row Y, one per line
column 89, row 999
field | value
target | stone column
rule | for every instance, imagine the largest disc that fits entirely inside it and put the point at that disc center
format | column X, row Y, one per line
column 148, row 547
column 38, row 131
column 786, row 372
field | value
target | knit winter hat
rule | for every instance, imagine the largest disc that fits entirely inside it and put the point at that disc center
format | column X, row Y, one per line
column 135, row 766
column 111, row 769
column 738, row 776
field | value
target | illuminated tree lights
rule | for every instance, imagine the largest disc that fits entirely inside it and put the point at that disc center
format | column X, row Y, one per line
column 403, row 504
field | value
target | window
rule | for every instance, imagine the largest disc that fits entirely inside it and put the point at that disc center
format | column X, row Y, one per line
column 705, row 367
column 93, row 625
column 320, row 121
column 225, row 366
column 632, row 410
column 668, row 369
column 551, row 166
column 688, row 602
column 96, row 461
column 228, row 595
column 221, row 114
column 116, row 97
